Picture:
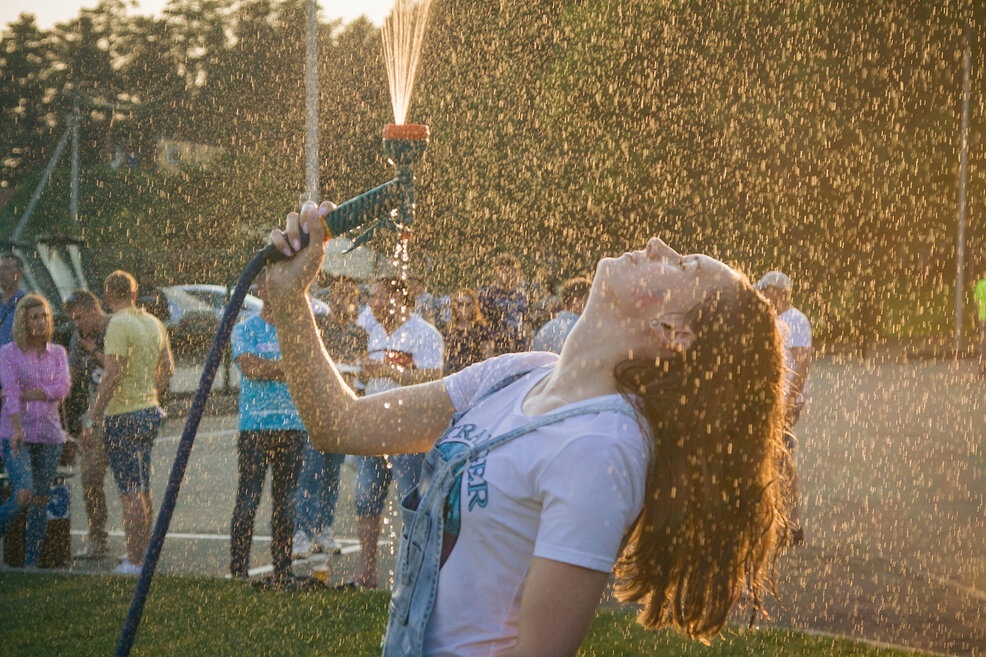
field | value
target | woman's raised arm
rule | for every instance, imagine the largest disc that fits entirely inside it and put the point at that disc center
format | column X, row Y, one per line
column 403, row 420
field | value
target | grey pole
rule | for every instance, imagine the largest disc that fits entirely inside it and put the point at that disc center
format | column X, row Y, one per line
column 311, row 102
column 41, row 185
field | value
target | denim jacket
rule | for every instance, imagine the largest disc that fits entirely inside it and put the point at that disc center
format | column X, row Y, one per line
column 423, row 514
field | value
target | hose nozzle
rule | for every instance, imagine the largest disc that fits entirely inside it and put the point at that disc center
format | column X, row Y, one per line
column 390, row 205
column 405, row 143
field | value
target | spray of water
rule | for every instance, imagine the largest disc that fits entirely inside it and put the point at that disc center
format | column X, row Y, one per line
column 403, row 33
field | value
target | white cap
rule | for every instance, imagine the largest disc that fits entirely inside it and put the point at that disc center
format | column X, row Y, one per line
column 776, row 279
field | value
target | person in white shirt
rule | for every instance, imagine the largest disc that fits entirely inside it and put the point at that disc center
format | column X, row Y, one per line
column 402, row 349
column 680, row 496
column 551, row 336
column 795, row 330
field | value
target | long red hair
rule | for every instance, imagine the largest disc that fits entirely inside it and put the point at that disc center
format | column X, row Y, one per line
column 713, row 518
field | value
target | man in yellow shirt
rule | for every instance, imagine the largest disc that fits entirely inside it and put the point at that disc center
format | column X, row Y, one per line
column 138, row 366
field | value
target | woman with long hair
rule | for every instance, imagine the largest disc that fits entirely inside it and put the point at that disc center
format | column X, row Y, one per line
column 467, row 335
column 648, row 447
column 35, row 378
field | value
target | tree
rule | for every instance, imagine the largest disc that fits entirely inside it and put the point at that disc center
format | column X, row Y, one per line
column 27, row 137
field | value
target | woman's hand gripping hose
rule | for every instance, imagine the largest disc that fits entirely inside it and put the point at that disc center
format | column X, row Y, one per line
column 297, row 251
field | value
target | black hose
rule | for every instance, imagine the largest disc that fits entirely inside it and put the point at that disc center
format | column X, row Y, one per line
column 260, row 260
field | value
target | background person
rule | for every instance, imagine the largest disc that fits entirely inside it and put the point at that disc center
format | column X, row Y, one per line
column 979, row 293
column 271, row 436
column 680, row 496
column 11, row 273
column 542, row 292
column 504, row 304
column 402, row 350
column 423, row 302
column 86, row 359
column 573, row 294
column 795, row 331
column 318, row 483
column 126, row 412
column 467, row 336
column 35, row 380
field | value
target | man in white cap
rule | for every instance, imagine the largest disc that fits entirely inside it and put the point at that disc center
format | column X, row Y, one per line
column 795, row 330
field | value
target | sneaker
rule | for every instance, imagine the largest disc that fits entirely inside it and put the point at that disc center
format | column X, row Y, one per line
column 268, row 583
column 126, row 568
column 92, row 552
column 327, row 544
column 301, row 546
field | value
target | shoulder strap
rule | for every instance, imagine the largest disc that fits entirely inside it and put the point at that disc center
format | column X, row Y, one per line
column 597, row 407
column 496, row 387
column 494, row 441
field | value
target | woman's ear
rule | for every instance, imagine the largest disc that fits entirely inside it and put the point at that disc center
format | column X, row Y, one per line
column 672, row 333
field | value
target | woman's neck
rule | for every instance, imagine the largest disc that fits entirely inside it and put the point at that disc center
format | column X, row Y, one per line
column 584, row 370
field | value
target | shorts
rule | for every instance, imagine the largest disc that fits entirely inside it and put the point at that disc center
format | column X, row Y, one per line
column 373, row 477
column 128, row 438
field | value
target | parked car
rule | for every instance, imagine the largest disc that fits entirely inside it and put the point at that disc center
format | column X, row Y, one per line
column 212, row 299
column 193, row 315
column 195, row 310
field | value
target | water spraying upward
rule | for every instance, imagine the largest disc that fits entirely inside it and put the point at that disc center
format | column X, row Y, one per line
column 403, row 33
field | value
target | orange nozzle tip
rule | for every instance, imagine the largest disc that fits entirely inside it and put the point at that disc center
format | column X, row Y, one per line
column 406, row 131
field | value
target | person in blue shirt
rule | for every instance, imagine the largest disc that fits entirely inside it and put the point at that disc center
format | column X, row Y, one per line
column 979, row 294
column 271, row 435
column 11, row 272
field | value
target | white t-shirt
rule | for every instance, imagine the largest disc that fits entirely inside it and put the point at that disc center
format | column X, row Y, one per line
column 795, row 330
column 417, row 339
column 566, row 491
column 551, row 336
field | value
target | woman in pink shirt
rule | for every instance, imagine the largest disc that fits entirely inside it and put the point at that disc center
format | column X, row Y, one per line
column 35, row 377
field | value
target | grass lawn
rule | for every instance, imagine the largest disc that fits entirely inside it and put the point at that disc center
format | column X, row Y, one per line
column 48, row 615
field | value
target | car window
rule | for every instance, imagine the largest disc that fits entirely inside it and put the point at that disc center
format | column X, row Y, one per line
column 216, row 300
column 205, row 298
column 183, row 299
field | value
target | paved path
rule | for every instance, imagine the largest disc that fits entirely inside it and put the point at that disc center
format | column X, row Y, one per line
column 198, row 537
column 894, row 480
